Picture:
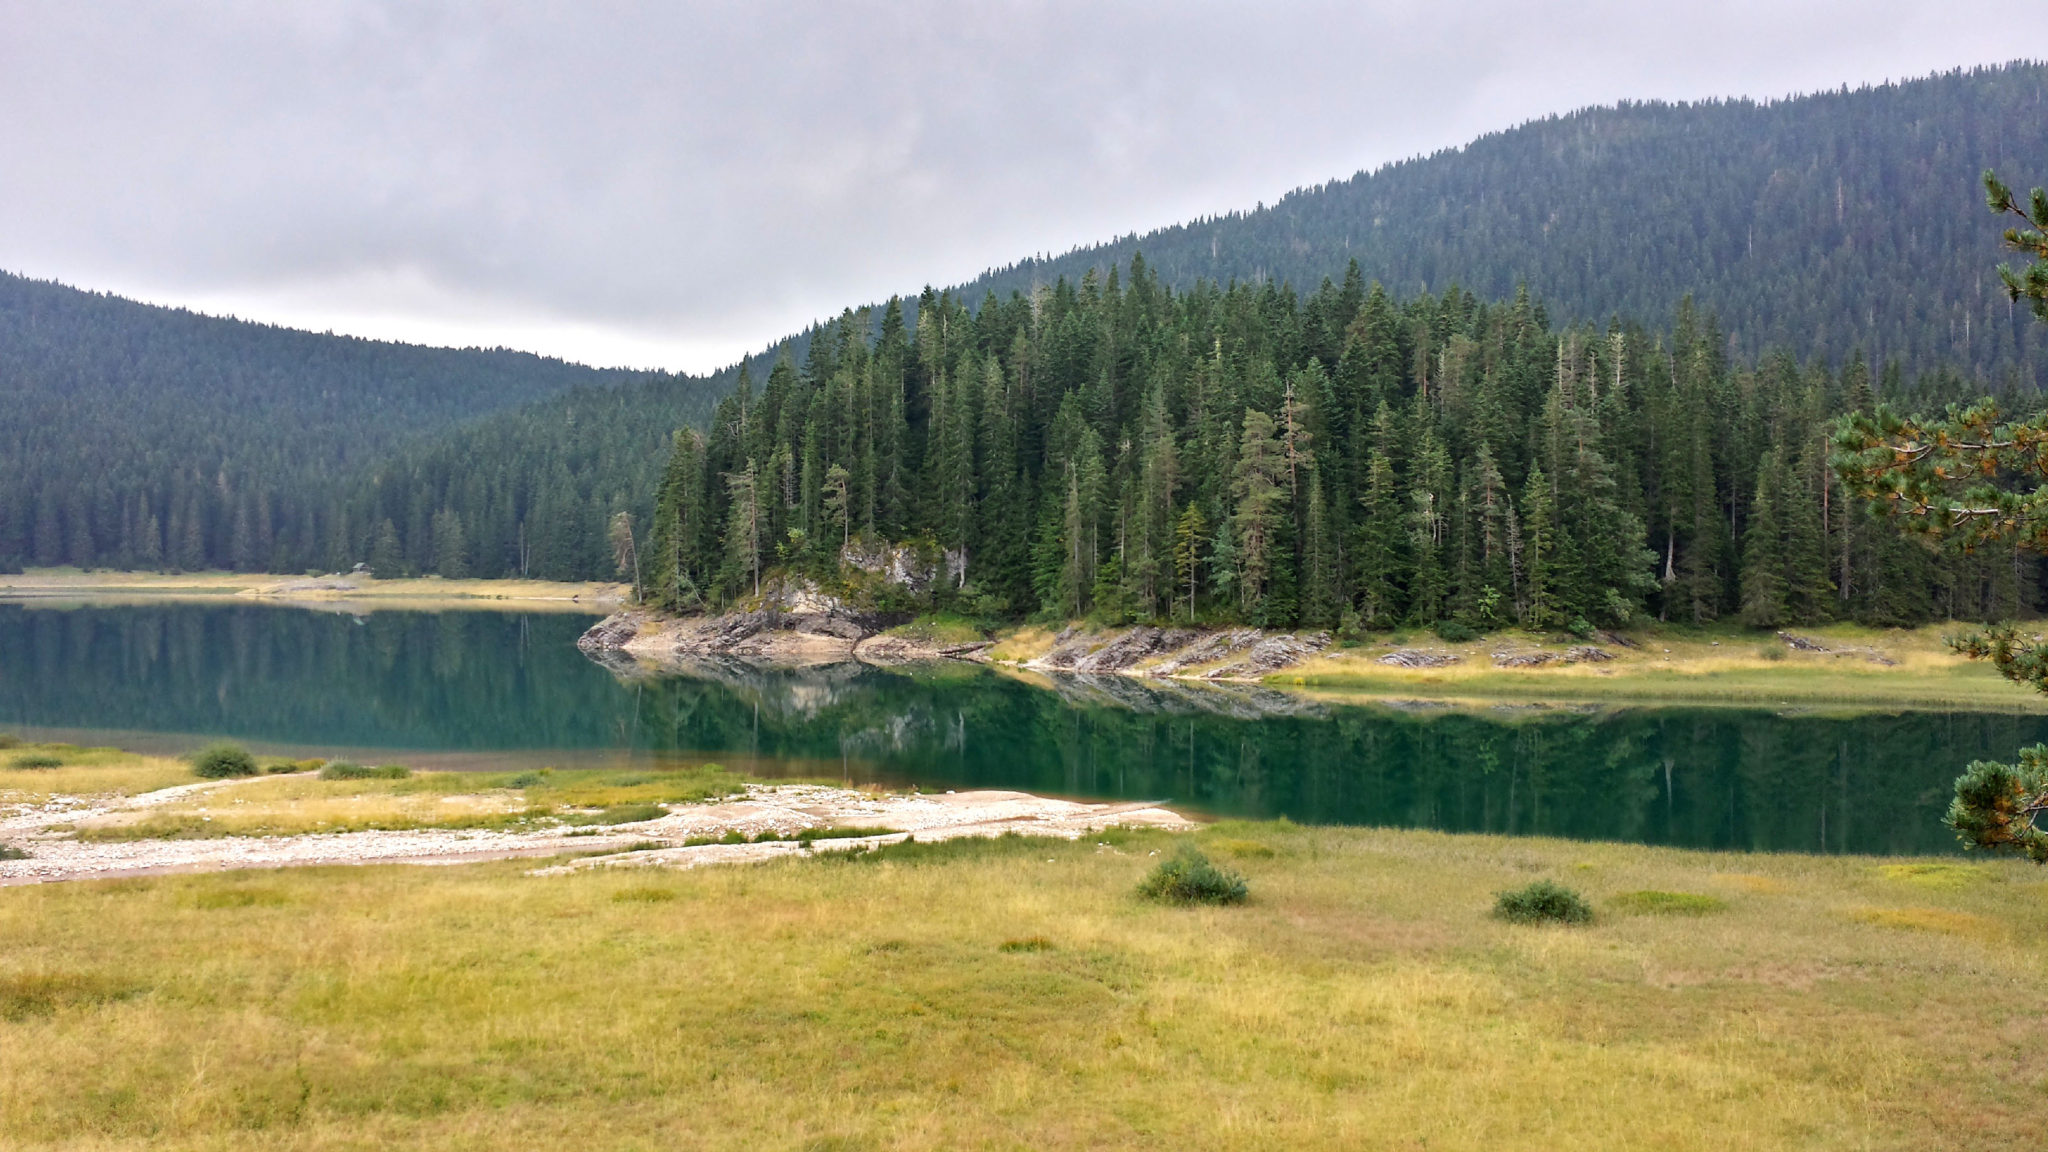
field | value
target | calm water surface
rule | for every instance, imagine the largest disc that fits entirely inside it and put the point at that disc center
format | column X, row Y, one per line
column 477, row 688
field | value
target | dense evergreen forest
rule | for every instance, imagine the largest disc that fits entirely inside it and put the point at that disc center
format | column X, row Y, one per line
column 1118, row 450
column 134, row 436
column 1827, row 223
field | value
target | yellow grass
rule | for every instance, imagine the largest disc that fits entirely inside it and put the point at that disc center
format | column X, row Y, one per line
column 70, row 585
column 1723, row 665
column 1017, row 996
column 301, row 804
column 86, row 772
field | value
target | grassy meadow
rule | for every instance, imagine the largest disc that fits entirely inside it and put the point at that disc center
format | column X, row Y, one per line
column 1015, row 994
column 1894, row 667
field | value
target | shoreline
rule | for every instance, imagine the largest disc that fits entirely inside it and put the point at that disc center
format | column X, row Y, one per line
column 352, row 593
column 1835, row 666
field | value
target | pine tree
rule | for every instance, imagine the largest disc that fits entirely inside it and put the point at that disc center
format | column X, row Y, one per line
column 743, row 527
column 387, row 560
column 451, row 549
column 1763, row 553
column 1260, row 491
column 1190, row 532
column 1540, row 607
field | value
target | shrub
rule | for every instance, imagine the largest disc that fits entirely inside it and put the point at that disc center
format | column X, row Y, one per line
column 1189, row 878
column 36, row 760
column 1542, row 903
column 1455, row 632
column 9, row 740
column 810, row 834
column 10, row 852
column 620, row 814
column 1652, row 902
column 350, row 770
column 220, row 761
column 1026, row 944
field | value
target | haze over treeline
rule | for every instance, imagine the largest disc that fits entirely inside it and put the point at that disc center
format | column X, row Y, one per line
column 1825, row 240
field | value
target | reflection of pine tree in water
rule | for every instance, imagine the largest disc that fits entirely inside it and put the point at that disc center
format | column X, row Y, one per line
column 482, row 680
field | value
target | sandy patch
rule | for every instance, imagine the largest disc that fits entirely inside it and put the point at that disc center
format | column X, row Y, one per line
column 780, row 809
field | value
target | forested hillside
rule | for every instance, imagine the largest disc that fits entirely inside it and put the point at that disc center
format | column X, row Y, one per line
column 1827, row 224
column 1845, row 231
column 1119, row 450
column 137, row 436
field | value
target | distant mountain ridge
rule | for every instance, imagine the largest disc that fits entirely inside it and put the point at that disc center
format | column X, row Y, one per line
column 138, row 435
column 1820, row 224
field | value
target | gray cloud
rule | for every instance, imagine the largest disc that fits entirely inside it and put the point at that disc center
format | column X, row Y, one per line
column 673, row 184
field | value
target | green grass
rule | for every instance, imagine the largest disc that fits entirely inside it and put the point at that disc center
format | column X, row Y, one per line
column 87, row 771
column 800, row 836
column 350, row 770
column 1014, row 994
column 381, row 800
column 1651, row 902
column 941, row 630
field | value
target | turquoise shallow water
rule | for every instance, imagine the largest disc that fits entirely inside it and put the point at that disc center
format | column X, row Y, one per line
column 477, row 689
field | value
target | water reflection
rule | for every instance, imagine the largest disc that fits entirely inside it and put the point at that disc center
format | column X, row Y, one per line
column 477, row 682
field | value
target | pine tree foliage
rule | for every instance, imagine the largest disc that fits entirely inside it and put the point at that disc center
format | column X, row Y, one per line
column 1118, row 450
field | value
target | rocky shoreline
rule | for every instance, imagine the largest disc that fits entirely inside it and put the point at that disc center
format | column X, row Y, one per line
column 806, row 629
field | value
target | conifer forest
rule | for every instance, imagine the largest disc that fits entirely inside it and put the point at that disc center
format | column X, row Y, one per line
column 1120, row 451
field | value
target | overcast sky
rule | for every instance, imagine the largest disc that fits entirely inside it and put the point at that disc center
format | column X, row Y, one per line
column 674, row 184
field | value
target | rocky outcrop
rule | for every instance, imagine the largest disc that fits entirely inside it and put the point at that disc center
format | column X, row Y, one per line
column 792, row 622
column 1073, row 651
column 1243, row 653
column 1271, row 655
column 1418, row 658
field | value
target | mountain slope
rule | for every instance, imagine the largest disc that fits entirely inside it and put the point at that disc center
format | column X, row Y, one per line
column 137, row 435
column 1821, row 224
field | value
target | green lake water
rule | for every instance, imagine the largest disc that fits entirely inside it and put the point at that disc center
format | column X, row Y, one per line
column 481, row 689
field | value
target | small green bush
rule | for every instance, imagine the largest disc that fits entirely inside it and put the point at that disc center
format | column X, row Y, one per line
column 1189, row 878
column 1543, row 902
column 223, row 760
column 810, row 834
column 528, row 779
column 1026, row 944
column 1455, row 632
column 1655, row 903
column 10, row 852
column 350, row 770
column 9, row 740
column 36, row 760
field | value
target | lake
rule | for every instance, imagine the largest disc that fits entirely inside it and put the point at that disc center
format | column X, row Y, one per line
column 473, row 689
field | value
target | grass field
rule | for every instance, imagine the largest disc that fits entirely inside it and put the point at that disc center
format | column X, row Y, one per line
column 1713, row 665
column 297, row 805
column 1014, row 994
column 81, row 771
